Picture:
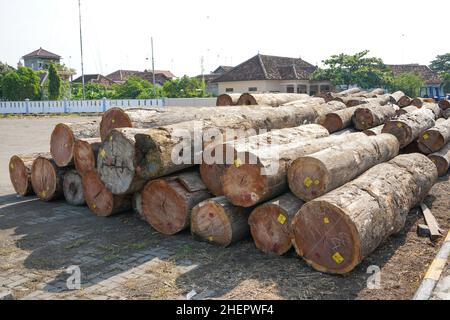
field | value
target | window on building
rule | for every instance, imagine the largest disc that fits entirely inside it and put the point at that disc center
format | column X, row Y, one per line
column 301, row 88
column 290, row 88
column 325, row 88
column 313, row 90
column 252, row 89
column 229, row 90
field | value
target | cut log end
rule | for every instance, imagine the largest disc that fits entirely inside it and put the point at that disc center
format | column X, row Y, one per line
column 44, row 179
column 164, row 208
column 210, row 222
column 270, row 229
column 84, row 157
column 211, row 175
column 308, row 178
column 19, row 176
column 326, row 238
column 399, row 130
column 363, row 119
column 431, row 141
column 112, row 119
column 441, row 163
column 247, row 99
column 224, row 100
column 244, row 185
column 332, row 122
column 62, row 144
column 73, row 189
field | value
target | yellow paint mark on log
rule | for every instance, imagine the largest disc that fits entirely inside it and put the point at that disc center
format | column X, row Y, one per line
column 326, row 220
column 425, row 136
column 338, row 258
column 281, row 218
column 399, row 125
column 102, row 153
column 307, row 182
column 237, row 163
column 11, row 166
column 94, row 206
column 211, row 238
column 43, row 194
column 110, row 138
column 113, row 121
column 316, row 182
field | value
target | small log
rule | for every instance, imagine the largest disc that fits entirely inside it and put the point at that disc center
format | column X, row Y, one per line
column 349, row 92
column 270, row 224
column 433, row 107
column 381, row 100
column 335, row 232
column 225, row 100
column 404, row 101
column 435, row 138
column 441, row 159
column 73, row 189
column 211, row 173
column 270, row 99
column 339, row 120
column 377, row 92
column 64, row 137
column 218, row 221
column 352, row 101
column 85, row 155
column 395, row 97
column 167, row 202
column 47, row 178
column 408, row 126
column 374, row 131
column 372, row 116
column 404, row 110
column 313, row 175
column 20, row 172
column 247, row 183
column 418, row 102
column 444, row 104
column 100, row 200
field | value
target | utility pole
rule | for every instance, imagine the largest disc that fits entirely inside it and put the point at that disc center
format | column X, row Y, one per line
column 81, row 48
column 153, row 71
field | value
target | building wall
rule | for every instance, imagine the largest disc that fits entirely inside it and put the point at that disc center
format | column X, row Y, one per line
column 304, row 86
column 38, row 63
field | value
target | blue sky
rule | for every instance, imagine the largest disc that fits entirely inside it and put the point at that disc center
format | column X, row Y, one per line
column 117, row 33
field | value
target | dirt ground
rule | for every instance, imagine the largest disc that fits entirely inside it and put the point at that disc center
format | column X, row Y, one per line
column 122, row 257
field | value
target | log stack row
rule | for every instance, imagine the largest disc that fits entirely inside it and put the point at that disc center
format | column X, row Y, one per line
column 286, row 175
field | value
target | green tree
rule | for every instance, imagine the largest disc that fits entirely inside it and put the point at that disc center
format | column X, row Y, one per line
column 54, row 83
column 409, row 83
column 4, row 69
column 135, row 88
column 441, row 65
column 94, row 91
column 21, row 84
column 185, row 87
column 357, row 69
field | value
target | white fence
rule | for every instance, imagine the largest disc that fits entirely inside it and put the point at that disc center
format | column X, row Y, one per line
column 85, row 106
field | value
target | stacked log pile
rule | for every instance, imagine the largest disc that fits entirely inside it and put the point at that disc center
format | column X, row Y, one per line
column 322, row 174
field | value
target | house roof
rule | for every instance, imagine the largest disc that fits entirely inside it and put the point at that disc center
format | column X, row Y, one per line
column 428, row 75
column 91, row 77
column 42, row 53
column 123, row 75
column 263, row 67
column 222, row 69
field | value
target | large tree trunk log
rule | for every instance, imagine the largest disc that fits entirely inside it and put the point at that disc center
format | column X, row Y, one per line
column 372, row 116
column 381, row 100
column 100, row 200
column 211, row 173
column 317, row 111
column 167, row 202
column 248, row 183
column 47, row 178
column 374, row 131
column 306, row 100
column 409, row 126
column 444, row 104
column 441, row 159
column 73, row 189
column 435, row 138
column 335, row 232
column 433, row 107
column 85, row 155
column 349, row 92
column 20, row 172
column 270, row 99
column 270, row 224
column 225, row 100
column 396, row 96
column 341, row 119
column 352, row 101
column 131, row 157
column 218, row 221
column 377, row 92
column 64, row 137
column 314, row 175
column 404, row 110
column 418, row 102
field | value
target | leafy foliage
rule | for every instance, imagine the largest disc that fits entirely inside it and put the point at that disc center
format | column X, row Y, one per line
column 184, row 87
column 21, row 84
column 409, row 83
column 357, row 69
column 54, row 85
column 441, row 64
column 94, row 91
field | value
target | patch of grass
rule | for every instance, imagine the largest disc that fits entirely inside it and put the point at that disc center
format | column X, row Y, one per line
column 110, row 258
column 138, row 245
column 76, row 244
